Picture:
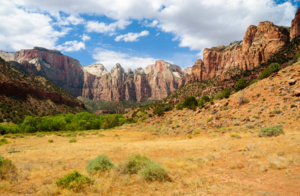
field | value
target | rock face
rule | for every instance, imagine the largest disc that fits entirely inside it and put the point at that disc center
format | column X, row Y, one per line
column 258, row 44
column 94, row 81
column 295, row 25
column 63, row 71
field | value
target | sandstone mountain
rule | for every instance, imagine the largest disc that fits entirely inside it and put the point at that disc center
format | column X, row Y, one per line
column 259, row 43
column 22, row 95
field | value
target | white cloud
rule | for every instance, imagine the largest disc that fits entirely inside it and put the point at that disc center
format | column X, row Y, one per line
column 22, row 30
column 194, row 23
column 71, row 46
column 157, row 34
column 85, row 37
column 151, row 24
column 109, row 58
column 131, row 37
column 101, row 27
column 70, row 20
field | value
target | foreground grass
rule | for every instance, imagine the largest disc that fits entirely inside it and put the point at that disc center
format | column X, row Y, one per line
column 203, row 165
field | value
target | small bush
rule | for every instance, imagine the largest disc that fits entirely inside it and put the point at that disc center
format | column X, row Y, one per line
column 74, row 181
column 274, row 67
column 50, row 141
column 40, row 135
column 296, row 57
column 100, row 163
column 7, row 169
column 235, row 136
column 3, row 141
column 135, row 163
column 101, row 135
column 242, row 99
column 265, row 73
column 292, row 106
column 72, row 140
column 179, row 106
column 154, row 171
column 189, row 136
column 190, row 102
column 270, row 131
column 209, row 119
column 159, row 111
column 225, row 93
column 196, row 131
column 241, row 84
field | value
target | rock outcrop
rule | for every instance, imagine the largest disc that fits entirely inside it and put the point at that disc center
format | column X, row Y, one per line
column 258, row 44
column 94, row 81
column 295, row 25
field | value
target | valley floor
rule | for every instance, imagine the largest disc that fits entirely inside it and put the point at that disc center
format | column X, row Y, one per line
column 206, row 164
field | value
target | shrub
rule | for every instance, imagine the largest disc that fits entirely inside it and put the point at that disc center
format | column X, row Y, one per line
column 135, row 163
column 100, row 163
column 270, row 131
column 3, row 141
column 50, row 141
column 7, row 169
column 154, row 171
column 274, row 67
column 265, row 73
column 179, row 106
column 209, row 119
column 234, row 135
column 72, row 140
column 296, row 57
column 241, row 84
column 196, row 131
column 189, row 136
column 293, row 106
column 225, row 93
column 159, row 111
column 190, row 102
column 242, row 99
column 74, row 181
column 101, row 135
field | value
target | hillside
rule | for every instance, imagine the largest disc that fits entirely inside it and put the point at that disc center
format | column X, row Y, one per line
column 22, row 95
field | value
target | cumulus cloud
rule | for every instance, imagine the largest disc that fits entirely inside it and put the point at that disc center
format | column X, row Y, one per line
column 71, row 46
column 109, row 58
column 131, row 37
column 194, row 23
column 70, row 20
column 22, row 30
column 152, row 24
column 85, row 37
column 101, row 27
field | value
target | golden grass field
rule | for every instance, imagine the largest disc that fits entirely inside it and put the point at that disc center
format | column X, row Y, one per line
column 203, row 165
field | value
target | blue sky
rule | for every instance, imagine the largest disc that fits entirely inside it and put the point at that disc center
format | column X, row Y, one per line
column 134, row 33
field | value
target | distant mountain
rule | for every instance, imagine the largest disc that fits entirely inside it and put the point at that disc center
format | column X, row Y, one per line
column 22, row 95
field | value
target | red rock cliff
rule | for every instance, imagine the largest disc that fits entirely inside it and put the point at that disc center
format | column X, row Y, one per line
column 295, row 25
column 258, row 44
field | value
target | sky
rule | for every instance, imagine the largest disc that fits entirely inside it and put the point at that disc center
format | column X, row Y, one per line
column 134, row 33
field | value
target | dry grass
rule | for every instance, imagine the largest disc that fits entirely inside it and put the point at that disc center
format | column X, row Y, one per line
column 202, row 165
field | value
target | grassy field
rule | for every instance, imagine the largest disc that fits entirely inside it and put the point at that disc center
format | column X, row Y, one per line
column 206, row 164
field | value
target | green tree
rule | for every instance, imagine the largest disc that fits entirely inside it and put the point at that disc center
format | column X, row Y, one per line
column 241, row 84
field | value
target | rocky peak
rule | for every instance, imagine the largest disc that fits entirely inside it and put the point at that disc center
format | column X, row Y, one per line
column 47, row 50
column 295, row 25
column 128, row 71
column 96, row 69
column 117, row 70
column 139, row 71
column 187, row 71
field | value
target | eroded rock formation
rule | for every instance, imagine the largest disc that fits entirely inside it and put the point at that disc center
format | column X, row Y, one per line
column 295, row 25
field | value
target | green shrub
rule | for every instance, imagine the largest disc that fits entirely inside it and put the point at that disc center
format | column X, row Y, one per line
column 274, row 67
column 295, row 59
column 189, row 136
column 196, row 131
column 190, row 102
column 40, row 135
column 72, row 140
column 74, row 181
column 209, row 119
column 179, row 106
column 7, row 169
column 265, row 73
column 225, row 93
column 292, row 106
column 154, row 171
column 3, row 141
column 270, row 131
column 50, row 141
column 100, row 163
column 101, row 135
column 159, row 111
column 234, row 135
column 241, row 84
column 133, row 164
